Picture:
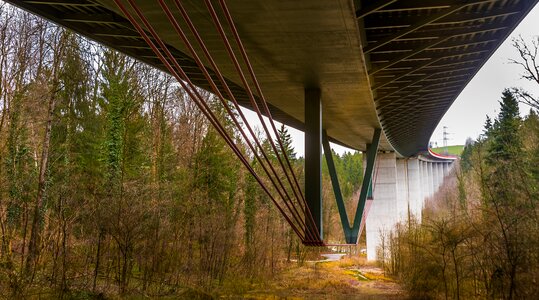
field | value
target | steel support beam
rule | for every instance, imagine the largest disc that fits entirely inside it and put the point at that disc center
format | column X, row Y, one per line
column 351, row 234
column 313, row 160
column 366, row 188
column 336, row 186
column 433, row 18
column 373, row 8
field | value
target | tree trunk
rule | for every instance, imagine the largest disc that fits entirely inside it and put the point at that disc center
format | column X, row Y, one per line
column 35, row 236
column 97, row 258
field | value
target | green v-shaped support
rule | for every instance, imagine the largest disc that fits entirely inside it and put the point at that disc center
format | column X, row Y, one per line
column 351, row 233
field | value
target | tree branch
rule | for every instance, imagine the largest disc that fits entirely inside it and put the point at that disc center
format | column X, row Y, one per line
column 528, row 58
column 524, row 97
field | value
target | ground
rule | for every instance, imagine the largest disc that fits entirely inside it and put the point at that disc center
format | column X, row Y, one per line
column 326, row 277
column 344, row 279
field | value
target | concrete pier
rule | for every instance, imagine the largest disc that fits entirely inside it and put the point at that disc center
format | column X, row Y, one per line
column 414, row 188
column 383, row 212
column 400, row 192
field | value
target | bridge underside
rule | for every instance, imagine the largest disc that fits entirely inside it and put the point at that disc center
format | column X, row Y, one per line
column 292, row 45
column 392, row 64
column 421, row 54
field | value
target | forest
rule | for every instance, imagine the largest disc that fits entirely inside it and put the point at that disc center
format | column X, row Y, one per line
column 479, row 237
column 113, row 183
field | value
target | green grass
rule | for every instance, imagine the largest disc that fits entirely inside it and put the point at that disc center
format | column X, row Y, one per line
column 451, row 150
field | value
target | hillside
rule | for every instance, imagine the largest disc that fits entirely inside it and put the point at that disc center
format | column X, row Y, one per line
column 451, row 150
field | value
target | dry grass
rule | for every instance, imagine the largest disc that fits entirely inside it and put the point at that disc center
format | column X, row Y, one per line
column 349, row 278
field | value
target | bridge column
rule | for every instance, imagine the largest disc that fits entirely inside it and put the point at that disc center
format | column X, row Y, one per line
column 426, row 183
column 414, row 188
column 436, row 176
column 422, row 183
column 446, row 169
column 431, row 179
column 440, row 174
column 383, row 212
column 313, row 158
column 402, row 202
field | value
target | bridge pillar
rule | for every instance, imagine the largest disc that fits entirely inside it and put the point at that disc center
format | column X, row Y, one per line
column 402, row 202
column 436, row 176
column 440, row 174
column 446, row 169
column 425, row 182
column 383, row 212
column 401, row 189
column 414, row 188
column 426, row 185
column 422, row 183
column 431, row 179
column 313, row 158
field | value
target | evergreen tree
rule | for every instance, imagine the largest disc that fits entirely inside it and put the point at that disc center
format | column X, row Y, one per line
column 505, row 144
column 504, row 191
column 115, row 100
column 286, row 139
column 487, row 127
column 531, row 125
column 352, row 171
column 466, row 156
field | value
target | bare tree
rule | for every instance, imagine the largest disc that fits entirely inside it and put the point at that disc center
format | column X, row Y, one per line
column 35, row 238
column 529, row 61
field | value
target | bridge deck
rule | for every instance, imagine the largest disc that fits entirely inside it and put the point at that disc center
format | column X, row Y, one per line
column 401, row 62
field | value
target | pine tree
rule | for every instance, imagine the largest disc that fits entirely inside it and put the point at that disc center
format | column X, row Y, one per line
column 466, row 156
column 286, row 139
column 506, row 144
column 503, row 189
column 115, row 100
column 487, row 127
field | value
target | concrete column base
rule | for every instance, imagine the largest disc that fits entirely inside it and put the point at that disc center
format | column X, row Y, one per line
column 414, row 188
column 383, row 212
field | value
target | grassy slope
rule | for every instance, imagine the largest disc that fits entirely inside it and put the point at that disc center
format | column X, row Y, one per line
column 452, row 150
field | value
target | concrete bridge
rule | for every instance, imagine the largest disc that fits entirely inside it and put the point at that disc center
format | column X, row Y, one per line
column 373, row 75
column 402, row 187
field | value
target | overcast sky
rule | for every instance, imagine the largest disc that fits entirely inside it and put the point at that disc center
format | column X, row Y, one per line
column 467, row 115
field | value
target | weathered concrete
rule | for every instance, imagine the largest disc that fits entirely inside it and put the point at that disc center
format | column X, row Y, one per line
column 423, row 182
column 414, row 188
column 383, row 212
column 401, row 189
column 445, row 168
column 440, row 167
column 431, row 179
column 402, row 202
column 435, row 177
